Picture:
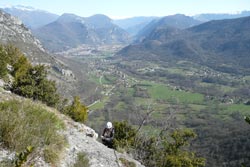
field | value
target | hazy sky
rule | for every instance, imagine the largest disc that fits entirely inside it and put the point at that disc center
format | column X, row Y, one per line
column 128, row 8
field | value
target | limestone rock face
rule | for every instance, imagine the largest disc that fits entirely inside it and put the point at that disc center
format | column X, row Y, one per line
column 99, row 155
column 13, row 31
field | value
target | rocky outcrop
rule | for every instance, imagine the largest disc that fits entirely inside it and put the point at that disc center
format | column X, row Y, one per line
column 80, row 139
column 13, row 31
column 98, row 154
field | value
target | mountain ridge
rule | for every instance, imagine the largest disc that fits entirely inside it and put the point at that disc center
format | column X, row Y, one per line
column 135, row 24
column 220, row 16
column 31, row 17
column 178, row 21
column 209, row 43
column 70, row 31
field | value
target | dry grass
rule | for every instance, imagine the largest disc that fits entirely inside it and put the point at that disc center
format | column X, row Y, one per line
column 25, row 123
column 82, row 160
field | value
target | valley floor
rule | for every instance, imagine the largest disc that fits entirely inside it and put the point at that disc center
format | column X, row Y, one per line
column 177, row 95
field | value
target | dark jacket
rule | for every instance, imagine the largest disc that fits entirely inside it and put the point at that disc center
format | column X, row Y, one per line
column 108, row 133
column 108, row 136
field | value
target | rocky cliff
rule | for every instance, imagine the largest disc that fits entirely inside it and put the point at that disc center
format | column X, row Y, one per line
column 13, row 31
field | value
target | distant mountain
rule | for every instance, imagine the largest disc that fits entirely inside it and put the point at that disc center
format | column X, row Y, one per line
column 70, row 30
column 13, row 31
column 213, row 16
column 228, row 41
column 32, row 18
column 99, row 21
column 135, row 24
column 106, row 31
column 223, row 45
column 178, row 21
column 62, row 34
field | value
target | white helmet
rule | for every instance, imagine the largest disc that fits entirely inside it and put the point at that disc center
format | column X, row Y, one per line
column 109, row 125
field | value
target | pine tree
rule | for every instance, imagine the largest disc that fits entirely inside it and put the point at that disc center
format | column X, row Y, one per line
column 77, row 111
column 124, row 135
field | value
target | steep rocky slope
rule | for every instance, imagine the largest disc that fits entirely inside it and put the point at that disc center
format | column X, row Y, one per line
column 98, row 154
column 79, row 140
column 13, row 31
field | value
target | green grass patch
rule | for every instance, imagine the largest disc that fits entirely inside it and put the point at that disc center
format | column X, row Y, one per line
column 226, row 88
column 181, row 117
column 220, row 87
column 101, row 104
column 157, row 115
column 159, row 91
column 108, row 79
column 241, row 108
column 176, row 71
column 98, row 105
column 139, row 101
column 25, row 123
column 197, row 107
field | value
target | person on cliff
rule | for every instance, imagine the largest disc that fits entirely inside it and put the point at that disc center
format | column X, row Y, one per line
column 108, row 135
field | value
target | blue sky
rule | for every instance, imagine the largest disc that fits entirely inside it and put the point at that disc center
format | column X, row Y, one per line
column 129, row 8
